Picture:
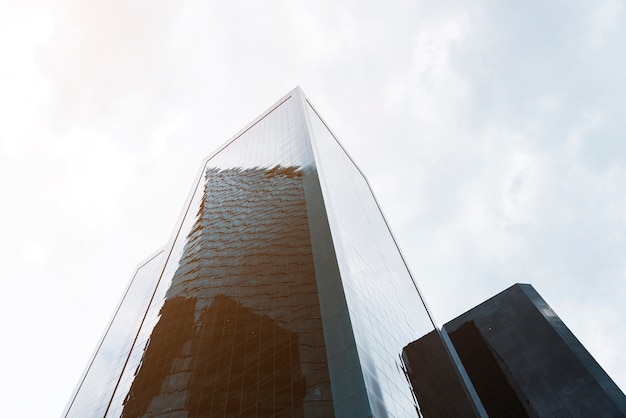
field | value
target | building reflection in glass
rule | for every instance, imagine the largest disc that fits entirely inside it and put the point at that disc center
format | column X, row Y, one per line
column 240, row 331
column 281, row 292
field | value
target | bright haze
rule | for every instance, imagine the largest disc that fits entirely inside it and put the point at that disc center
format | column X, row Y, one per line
column 492, row 133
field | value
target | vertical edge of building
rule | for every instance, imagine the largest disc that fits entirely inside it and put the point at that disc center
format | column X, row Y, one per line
column 383, row 307
column 281, row 251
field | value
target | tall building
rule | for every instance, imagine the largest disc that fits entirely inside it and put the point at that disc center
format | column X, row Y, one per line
column 282, row 292
column 521, row 356
column 439, row 380
column 522, row 360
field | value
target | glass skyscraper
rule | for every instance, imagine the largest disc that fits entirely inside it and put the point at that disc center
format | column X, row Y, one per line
column 524, row 361
column 282, row 292
column 517, row 358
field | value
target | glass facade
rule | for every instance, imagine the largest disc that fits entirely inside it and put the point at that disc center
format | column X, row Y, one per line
column 524, row 361
column 385, row 309
column 100, row 379
column 281, row 293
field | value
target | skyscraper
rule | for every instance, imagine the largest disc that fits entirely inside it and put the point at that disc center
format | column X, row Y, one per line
column 521, row 359
column 281, row 293
column 524, row 361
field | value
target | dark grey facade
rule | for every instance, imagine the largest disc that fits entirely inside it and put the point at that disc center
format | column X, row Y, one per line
column 523, row 361
column 438, row 380
column 281, row 293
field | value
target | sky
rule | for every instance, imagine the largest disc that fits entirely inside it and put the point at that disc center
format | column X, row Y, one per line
column 492, row 133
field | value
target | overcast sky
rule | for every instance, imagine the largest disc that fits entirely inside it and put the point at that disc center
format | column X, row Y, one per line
column 493, row 134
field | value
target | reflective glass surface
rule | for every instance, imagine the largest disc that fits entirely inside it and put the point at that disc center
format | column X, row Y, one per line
column 281, row 293
column 96, row 387
column 234, row 328
column 385, row 309
column 524, row 361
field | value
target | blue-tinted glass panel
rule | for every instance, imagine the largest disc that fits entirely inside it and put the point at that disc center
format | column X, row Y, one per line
column 102, row 374
column 385, row 308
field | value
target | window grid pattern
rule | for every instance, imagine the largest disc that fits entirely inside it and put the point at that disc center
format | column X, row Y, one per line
column 235, row 328
column 386, row 311
column 96, row 388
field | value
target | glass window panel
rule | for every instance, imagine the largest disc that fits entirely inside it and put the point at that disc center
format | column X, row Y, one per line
column 102, row 375
column 386, row 310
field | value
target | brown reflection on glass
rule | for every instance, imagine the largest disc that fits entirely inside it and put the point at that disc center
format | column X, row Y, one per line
column 234, row 363
column 246, row 365
column 163, row 374
column 240, row 332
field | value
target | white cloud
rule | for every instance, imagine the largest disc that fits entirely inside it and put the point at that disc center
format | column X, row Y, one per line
column 604, row 22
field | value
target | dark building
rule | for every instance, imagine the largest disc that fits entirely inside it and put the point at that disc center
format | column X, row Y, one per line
column 510, row 356
column 281, row 292
column 523, row 361
column 438, row 379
